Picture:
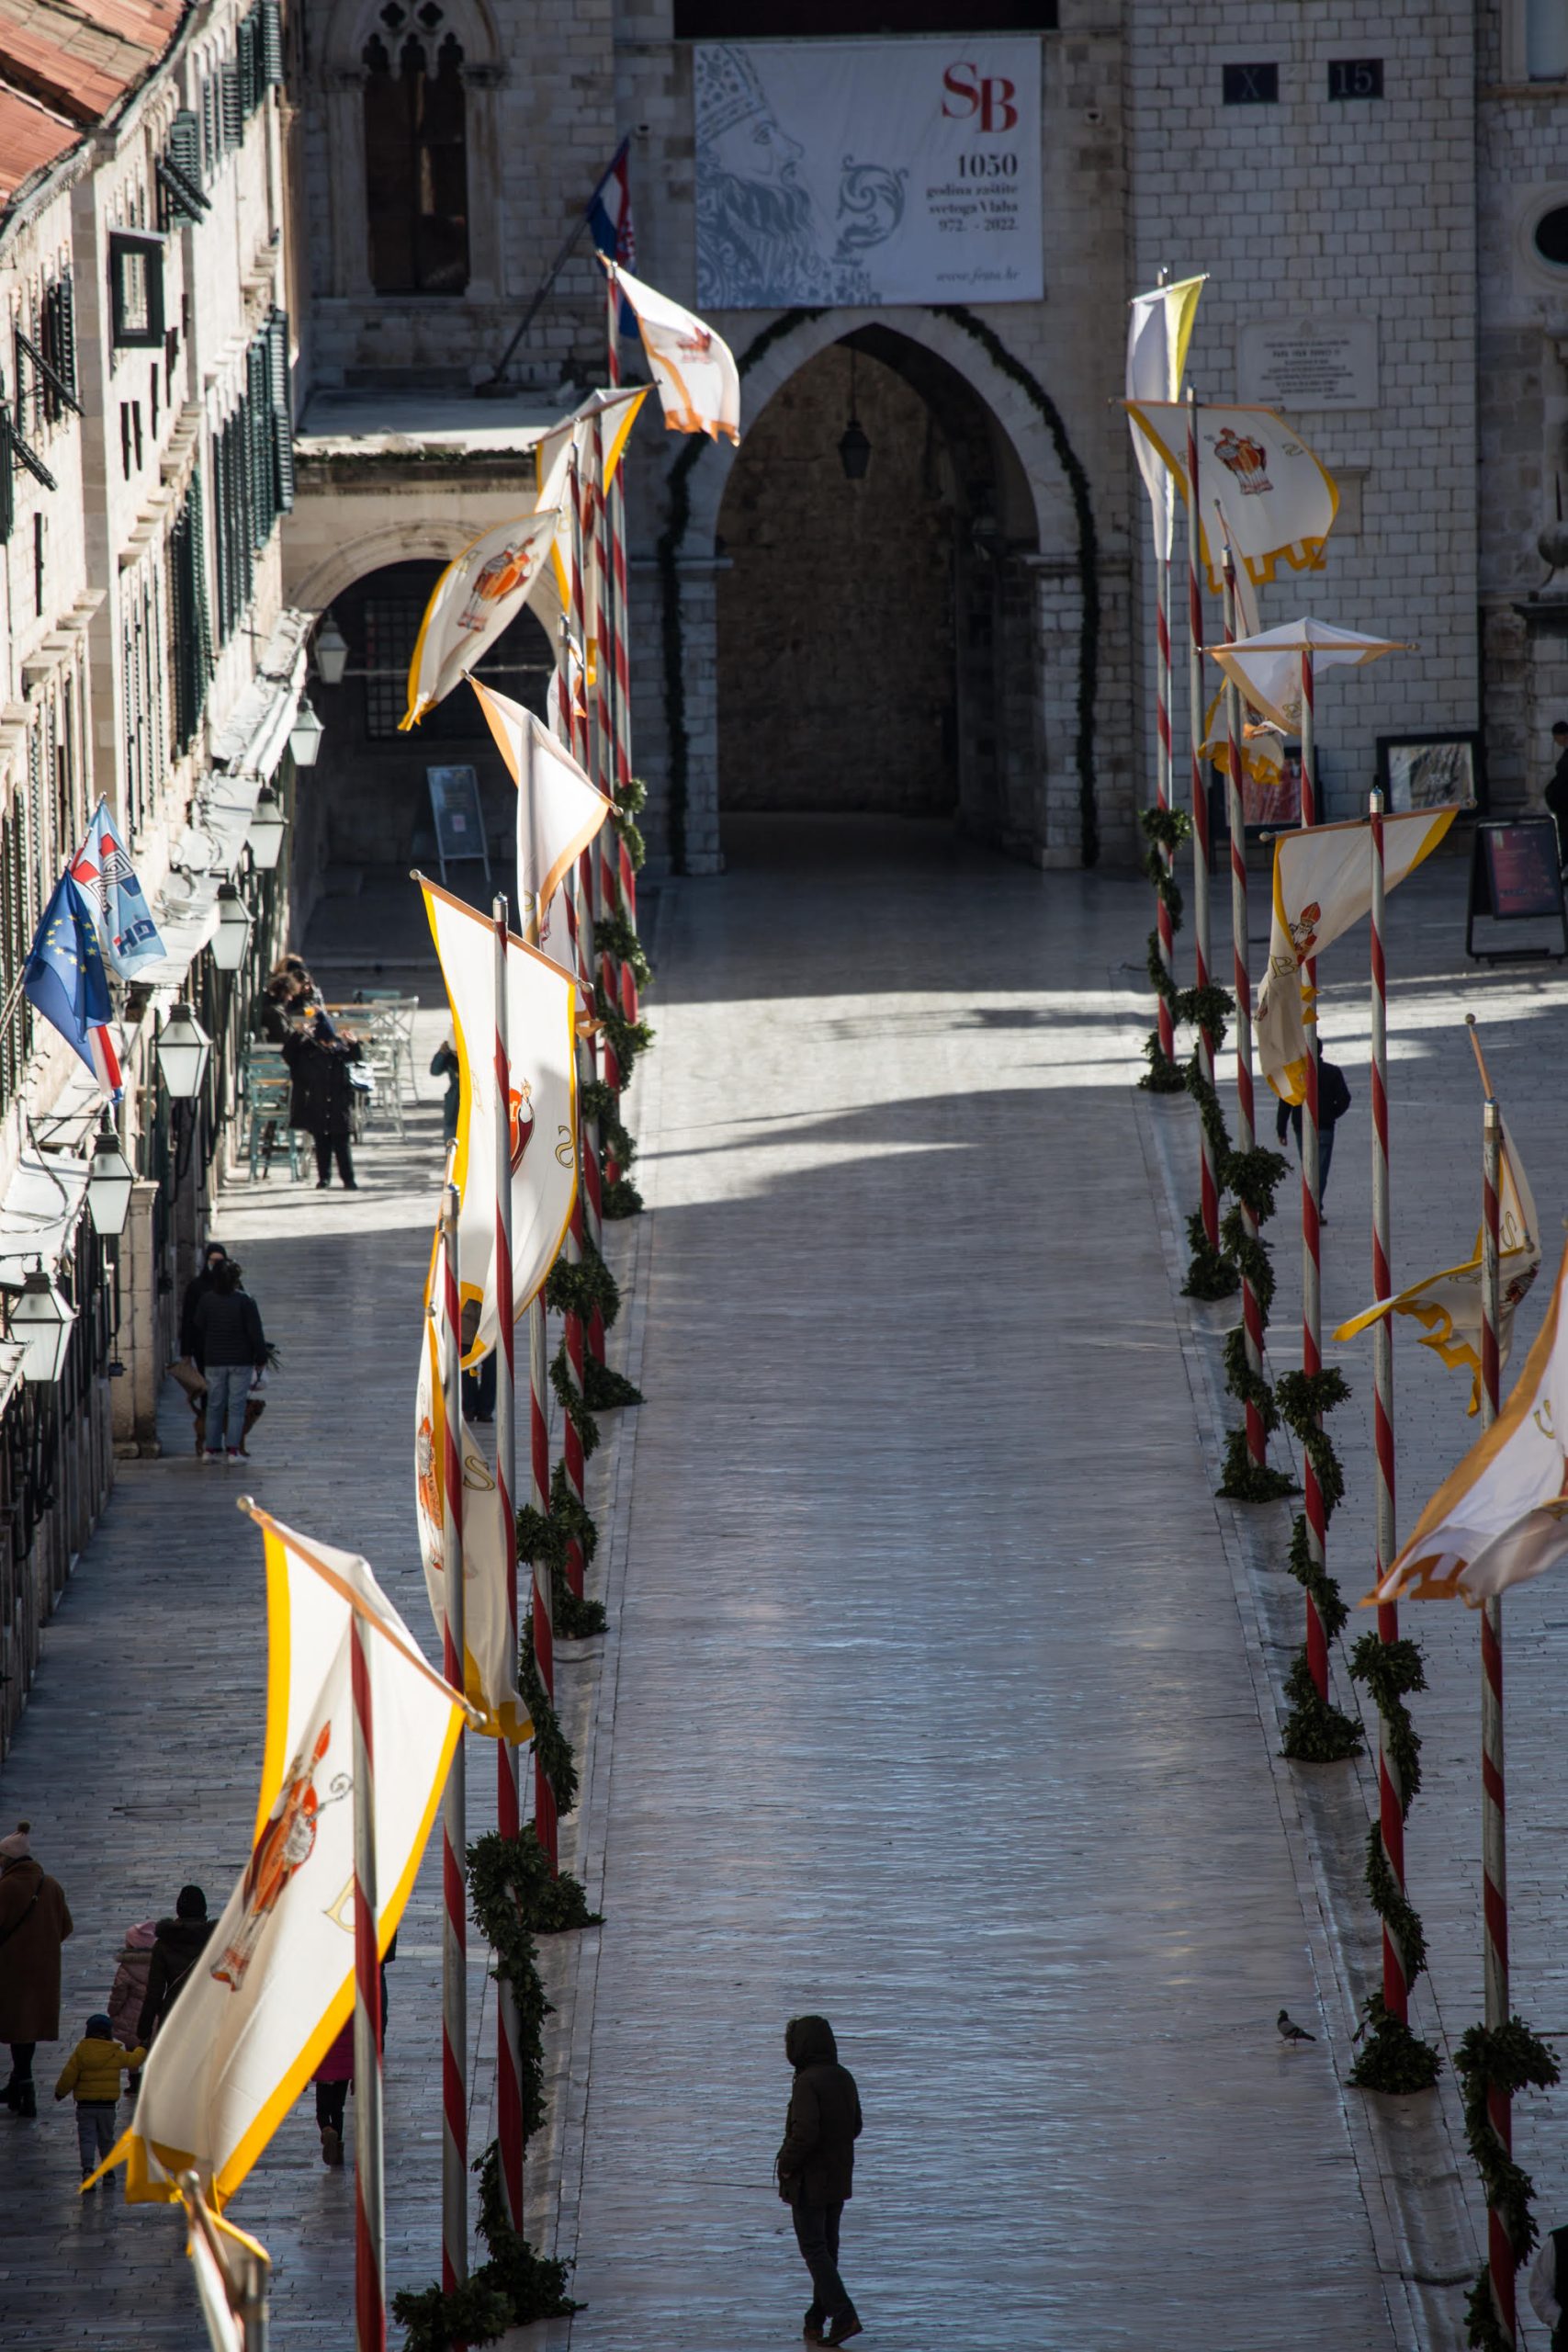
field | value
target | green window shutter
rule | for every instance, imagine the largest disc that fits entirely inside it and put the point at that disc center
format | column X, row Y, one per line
column 60, row 348
column 271, row 44
column 282, row 417
column 233, row 119
column 183, row 150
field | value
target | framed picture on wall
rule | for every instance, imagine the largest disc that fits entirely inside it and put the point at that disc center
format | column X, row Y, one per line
column 1436, row 771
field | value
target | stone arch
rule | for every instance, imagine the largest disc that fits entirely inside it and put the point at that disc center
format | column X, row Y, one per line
column 1042, row 806
column 327, row 572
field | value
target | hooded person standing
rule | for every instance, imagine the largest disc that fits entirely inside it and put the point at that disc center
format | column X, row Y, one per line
column 322, row 1101
column 34, row 1922
column 231, row 1348
column 816, row 2170
column 180, row 1944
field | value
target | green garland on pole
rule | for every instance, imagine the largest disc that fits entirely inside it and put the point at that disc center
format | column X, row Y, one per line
column 515, row 1899
column 550, row 1537
column 1165, row 829
column 1316, row 1732
column 551, row 1744
column 1509, row 2060
column 615, row 933
column 1395, row 2058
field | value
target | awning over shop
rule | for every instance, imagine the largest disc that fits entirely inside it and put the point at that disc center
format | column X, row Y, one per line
column 39, row 1212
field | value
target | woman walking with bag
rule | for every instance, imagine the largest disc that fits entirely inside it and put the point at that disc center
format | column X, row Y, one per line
column 323, row 1098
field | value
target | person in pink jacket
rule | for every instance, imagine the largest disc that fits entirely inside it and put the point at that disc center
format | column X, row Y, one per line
column 130, row 1989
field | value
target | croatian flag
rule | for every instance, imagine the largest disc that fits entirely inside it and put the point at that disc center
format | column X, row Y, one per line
column 64, row 978
column 104, row 873
column 610, row 220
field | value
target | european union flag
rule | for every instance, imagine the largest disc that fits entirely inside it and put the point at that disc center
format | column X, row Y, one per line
column 64, row 975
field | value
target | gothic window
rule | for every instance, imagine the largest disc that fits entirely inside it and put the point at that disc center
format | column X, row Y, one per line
column 416, row 168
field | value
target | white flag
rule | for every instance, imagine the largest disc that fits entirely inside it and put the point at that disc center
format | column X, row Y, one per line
column 1323, row 886
column 541, row 1041
column 1276, row 499
column 1266, row 666
column 480, row 593
column 489, row 1642
column 1159, row 328
column 559, row 808
column 274, row 1985
column 693, row 368
column 1502, row 1517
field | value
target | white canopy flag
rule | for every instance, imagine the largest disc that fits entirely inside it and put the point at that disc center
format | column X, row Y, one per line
column 274, row 1985
column 1268, row 667
column 489, row 1644
column 541, row 1038
column 559, row 808
column 1502, row 1517
column 1159, row 328
column 1276, row 499
column 1323, row 886
column 480, row 593
column 616, row 412
column 699, row 384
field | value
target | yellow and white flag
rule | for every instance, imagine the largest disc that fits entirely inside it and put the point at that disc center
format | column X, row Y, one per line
column 1323, row 886
column 542, row 1007
column 490, row 1644
column 616, row 412
column 274, row 1985
column 480, row 593
column 1159, row 328
column 559, row 808
column 1276, row 499
column 1268, row 667
column 1502, row 1517
column 699, row 384
column 1448, row 1304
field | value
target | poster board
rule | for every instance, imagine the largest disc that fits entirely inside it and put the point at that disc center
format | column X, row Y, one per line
column 459, row 818
column 1516, row 876
column 1439, row 770
column 851, row 173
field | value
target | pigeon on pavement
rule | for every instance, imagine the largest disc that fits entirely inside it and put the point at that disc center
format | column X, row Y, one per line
column 1291, row 2032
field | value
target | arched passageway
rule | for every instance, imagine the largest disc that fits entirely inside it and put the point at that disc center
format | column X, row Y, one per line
column 364, row 809
column 876, row 643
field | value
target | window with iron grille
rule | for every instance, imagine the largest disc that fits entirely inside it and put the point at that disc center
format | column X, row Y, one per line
column 136, row 289
column 190, row 635
column 388, row 630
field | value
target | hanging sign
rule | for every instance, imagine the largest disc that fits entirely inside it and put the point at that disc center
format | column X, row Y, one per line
column 843, row 173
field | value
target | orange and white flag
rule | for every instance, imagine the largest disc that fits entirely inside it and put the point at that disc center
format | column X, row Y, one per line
column 1502, row 1517
column 1276, row 498
column 699, row 384
column 480, row 593
column 559, row 808
column 275, row 1985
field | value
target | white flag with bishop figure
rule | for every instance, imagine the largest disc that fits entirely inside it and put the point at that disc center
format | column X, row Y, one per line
column 542, row 1003
column 1276, row 499
column 559, row 808
column 699, row 384
column 490, row 1636
column 1323, row 886
column 480, row 593
column 274, row 1986
column 1502, row 1517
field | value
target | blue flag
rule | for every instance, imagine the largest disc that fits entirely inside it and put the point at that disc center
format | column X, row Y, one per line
column 64, row 978
column 102, row 869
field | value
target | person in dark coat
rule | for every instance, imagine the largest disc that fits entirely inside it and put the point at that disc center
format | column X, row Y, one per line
column 1556, row 794
column 1333, row 1102
column 322, row 1100
column 200, row 1283
column 816, row 2170
column 35, row 1920
column 179, row 1945
column 443, row 1063
column 230, row 1349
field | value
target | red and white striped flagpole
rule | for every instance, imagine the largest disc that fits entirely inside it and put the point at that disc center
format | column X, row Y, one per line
column 1500, row 2255
column 620, row 626
column 454, row 1802
column 1209, row 1195
column 1165, row 928
column 582, row 887
column 1251, row 1304
column 509, row 1811
column 1390, row 1808
column 1311, row 1242
column 545, row 1822
column 369, row 2186
column 576, row 1354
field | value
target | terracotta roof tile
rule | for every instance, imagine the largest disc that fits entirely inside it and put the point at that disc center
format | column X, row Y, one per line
column 66, row 64
column 29, row 136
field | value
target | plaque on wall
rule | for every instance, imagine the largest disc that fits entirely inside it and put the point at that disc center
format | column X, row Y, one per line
column 1321, row 361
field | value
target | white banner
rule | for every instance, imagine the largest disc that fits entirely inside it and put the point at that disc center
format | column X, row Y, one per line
column 844, row 173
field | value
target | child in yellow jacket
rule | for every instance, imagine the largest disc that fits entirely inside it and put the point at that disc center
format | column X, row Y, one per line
column 93, row 2072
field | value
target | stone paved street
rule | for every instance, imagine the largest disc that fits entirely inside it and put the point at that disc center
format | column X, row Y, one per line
column 928, row 1701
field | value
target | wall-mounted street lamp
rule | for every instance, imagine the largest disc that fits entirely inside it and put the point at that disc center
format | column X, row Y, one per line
column 234, row 932
column 305, row 735
column 183, row 1047
column 109, row 1182
column 332, row 652
column 268, row 825
column 41, row 1319
column 854, row 449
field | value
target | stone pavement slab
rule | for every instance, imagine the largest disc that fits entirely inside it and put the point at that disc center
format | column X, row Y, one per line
column 933, row 1707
